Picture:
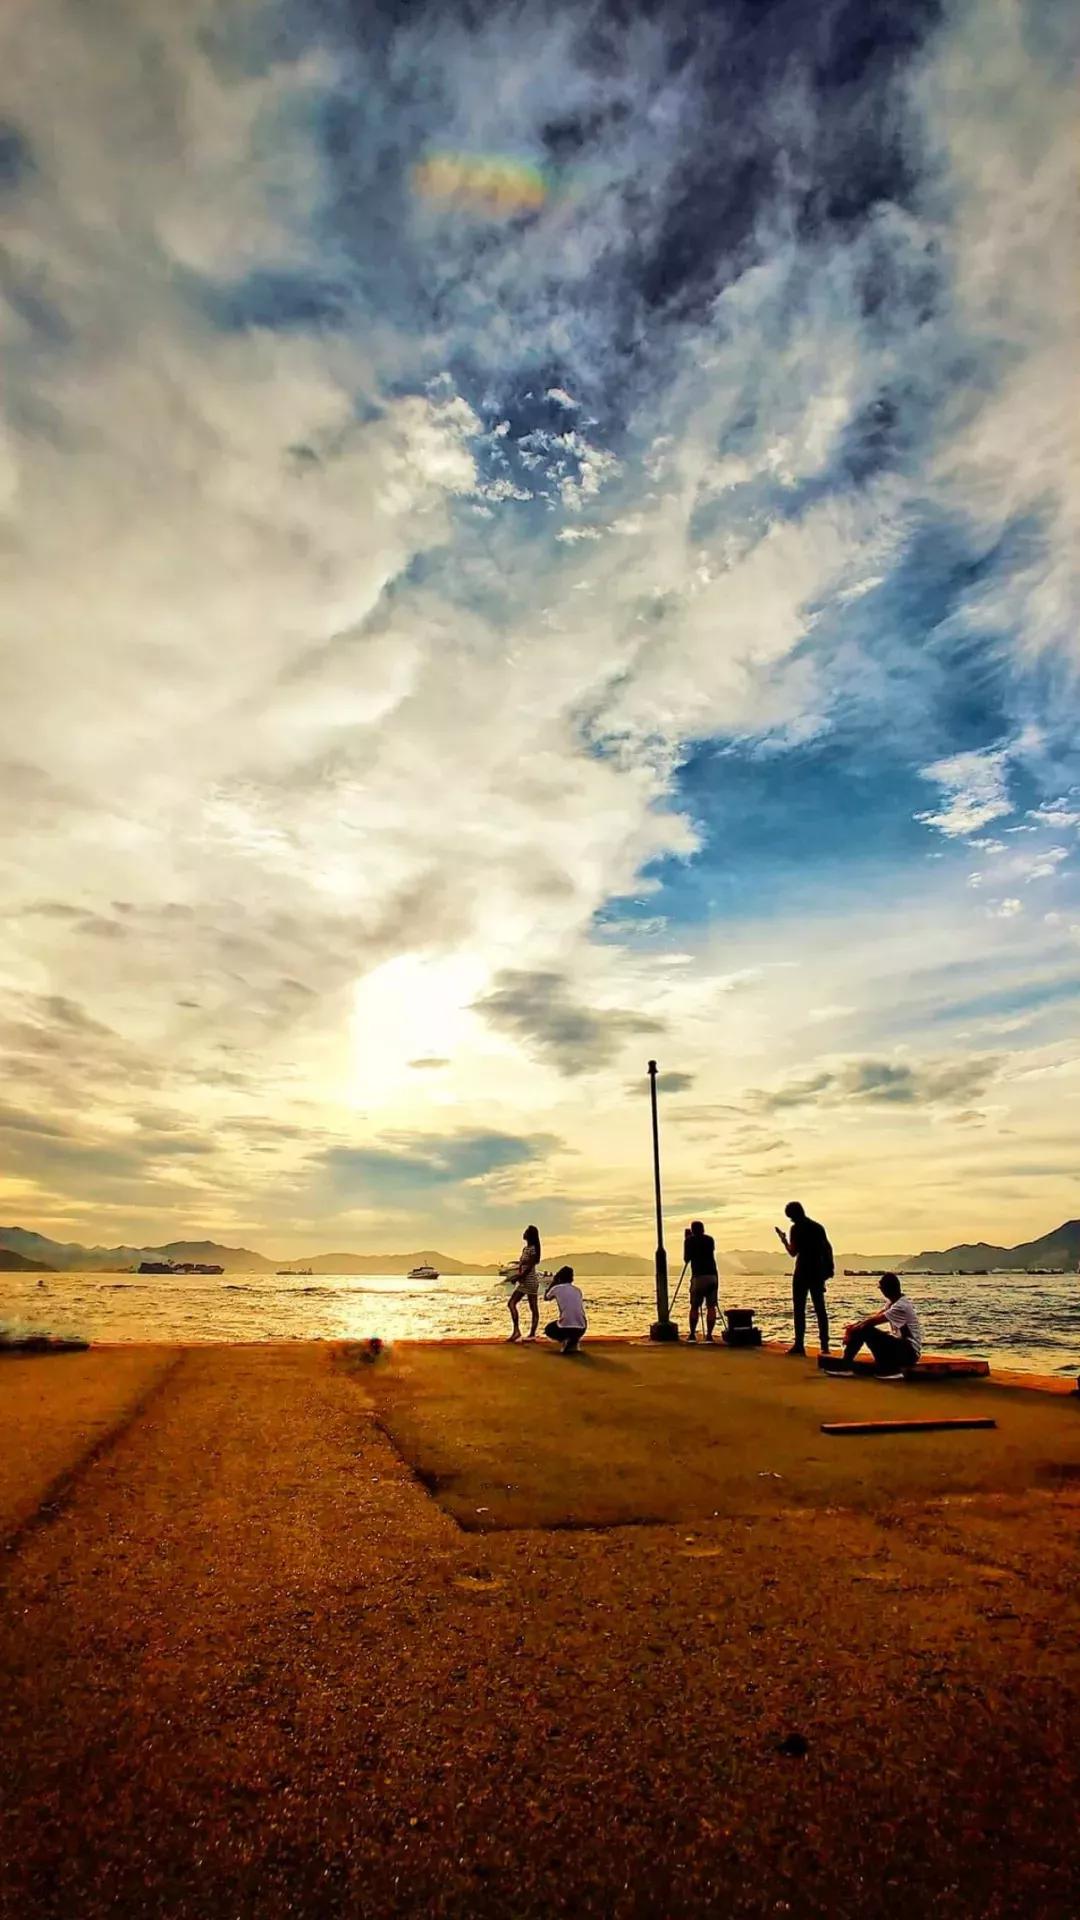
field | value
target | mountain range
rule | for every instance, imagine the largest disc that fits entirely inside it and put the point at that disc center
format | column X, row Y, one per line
column 1059, row 1249
column 24, row 1251
column 28, row 1252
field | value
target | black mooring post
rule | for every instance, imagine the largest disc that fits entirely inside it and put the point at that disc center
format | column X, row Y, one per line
column 664, row 1327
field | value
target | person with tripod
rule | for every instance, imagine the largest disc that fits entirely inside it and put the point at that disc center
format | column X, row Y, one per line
column 699, row 1254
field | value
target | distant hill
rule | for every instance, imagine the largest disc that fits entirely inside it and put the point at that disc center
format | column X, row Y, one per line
column 590, row 1265
column 18, row 1263
column 748, row 1261
column 594, row 1266
column 1059, row 1250
column 70, row 1257
column 23, row 1251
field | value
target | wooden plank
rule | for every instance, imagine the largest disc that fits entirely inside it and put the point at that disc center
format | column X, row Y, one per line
column 932, row 1366
column 900, row 1426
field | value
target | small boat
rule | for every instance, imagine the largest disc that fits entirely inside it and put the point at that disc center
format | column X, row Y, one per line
column 423, row 1273
column 510, row 1271
column 294, row 1273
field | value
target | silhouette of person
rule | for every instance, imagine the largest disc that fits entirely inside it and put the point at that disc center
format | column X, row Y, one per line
column 571, row 1326
column 808, row 1244
column 527, row 1286
column 895, row 1352
column 699, row 1250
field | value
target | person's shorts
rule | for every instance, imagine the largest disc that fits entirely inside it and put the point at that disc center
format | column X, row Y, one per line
column 705, row 1290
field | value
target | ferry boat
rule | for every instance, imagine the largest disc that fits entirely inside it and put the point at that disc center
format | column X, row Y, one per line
column 423, row 1273
column 294, row 1273
column 177, row 1266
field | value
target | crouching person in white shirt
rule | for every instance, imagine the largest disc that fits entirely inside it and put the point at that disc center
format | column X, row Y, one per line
column 570, row 1327
column 896, row 1351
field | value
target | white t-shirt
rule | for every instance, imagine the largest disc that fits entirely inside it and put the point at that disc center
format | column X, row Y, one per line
column 903, row 1318
column 571, row 1305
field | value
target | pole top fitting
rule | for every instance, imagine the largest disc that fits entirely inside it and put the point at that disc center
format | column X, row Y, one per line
column 652, row 1066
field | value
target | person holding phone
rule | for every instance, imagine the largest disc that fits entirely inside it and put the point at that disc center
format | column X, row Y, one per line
column 808, row 1244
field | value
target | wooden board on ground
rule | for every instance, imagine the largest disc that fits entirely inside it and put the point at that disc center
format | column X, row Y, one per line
column 932, row 1366
column 901, row 1426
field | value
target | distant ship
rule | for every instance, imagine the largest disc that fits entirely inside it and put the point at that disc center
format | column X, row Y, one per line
column 176, row 1266
column 299, row 1273
column 422, row 1273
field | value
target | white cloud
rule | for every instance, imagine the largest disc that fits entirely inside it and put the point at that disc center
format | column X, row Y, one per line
column 976, row 790
column 311, row 737
column 1046, row 863
column 1004, row 205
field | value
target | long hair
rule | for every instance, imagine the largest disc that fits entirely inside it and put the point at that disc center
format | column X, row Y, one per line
column 532, row 1239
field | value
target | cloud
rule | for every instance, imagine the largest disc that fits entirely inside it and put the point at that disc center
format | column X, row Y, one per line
column 673, row 1082
column 976, row 787
column 375, row 563
column 541, row 1010
column 1004, row 212
column 886, row 1083
column 417, row 1163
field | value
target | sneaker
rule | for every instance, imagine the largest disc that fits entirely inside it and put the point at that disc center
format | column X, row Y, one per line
column 888, row 1376
column 845, row 1368
column 798, row 1353
column 691, row 1337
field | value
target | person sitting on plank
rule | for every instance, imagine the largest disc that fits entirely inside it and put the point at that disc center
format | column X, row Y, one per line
column 895, row 1352
column 570, row 1327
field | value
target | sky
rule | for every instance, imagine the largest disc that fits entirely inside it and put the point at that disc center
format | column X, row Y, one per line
column 535, row 539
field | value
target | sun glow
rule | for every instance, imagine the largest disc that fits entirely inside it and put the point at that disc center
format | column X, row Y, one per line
column 413, row 1016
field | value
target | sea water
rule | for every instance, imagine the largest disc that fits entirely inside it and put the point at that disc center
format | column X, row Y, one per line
column 1026, row 1321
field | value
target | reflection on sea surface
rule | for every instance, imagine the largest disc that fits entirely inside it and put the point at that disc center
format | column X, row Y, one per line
column 1029, row 1321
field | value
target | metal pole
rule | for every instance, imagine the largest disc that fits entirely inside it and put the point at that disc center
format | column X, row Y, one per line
column 664, row 1327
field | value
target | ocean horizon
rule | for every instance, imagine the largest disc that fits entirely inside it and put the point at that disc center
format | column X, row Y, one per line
column 1022, row 1321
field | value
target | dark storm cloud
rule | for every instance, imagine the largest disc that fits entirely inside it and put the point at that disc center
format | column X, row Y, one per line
column 540, row 1010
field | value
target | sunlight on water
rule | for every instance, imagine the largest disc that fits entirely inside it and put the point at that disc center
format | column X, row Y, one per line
column 1029, row 1321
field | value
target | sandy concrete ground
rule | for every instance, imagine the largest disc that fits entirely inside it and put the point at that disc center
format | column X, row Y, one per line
column 622, row 1434
column 55, row 1408
column 251, row 1667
